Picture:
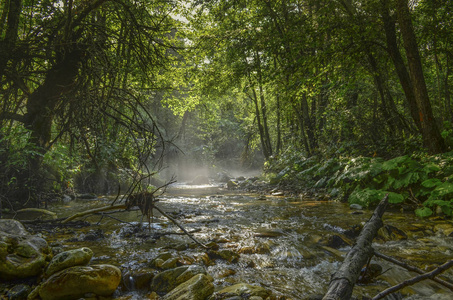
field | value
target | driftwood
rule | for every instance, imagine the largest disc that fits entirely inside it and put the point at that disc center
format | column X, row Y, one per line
column 343, row 281
column 413, row 269
column 414, row 280
column 145, row 201
column 93, row 211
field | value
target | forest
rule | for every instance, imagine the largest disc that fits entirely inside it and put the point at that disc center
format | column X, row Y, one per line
column 99, row 92
column 351, row 99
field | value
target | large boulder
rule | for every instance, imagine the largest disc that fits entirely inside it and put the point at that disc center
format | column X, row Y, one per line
column 70, row 258
column 21, row 255
column 199, row 287
column 166, row 281
column 75, row 282
column 12, row 226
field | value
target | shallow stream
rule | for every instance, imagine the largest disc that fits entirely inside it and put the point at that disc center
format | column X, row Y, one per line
column 281, row 241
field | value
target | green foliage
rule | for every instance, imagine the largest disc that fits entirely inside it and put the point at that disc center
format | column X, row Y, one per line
column 425, row 180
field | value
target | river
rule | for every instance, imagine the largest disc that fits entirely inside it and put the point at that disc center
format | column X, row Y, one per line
column 282, row 242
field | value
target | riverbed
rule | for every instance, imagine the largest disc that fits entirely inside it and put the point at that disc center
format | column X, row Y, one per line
column 282, row 243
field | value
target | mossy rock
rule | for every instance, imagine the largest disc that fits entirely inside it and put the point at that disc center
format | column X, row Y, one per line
column 167, row 280
column 75, row 282
column 71, row 258
column 21, row 256
column 198, row 287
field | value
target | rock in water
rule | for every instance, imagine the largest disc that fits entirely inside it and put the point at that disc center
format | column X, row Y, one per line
column 21, row 255
column 198, row 287
column 168, row 280
column 242, row 289
column 71, row 258
column 75, row 282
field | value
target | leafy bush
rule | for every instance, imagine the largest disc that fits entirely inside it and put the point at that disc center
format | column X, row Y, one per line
column 425, row 180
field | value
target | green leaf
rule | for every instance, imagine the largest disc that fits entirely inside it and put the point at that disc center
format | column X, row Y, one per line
column 395, row 197
column 393, row 163
column 443, row 189
column 429, row 183
column 423, row 212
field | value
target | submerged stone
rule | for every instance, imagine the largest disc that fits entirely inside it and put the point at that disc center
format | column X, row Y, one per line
column 71, row 258
column 199, row 287
column 75, row 282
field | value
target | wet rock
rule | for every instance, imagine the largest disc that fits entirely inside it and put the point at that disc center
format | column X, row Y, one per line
column 11, row 226
column 137, row 280
column 94, row 235
column 391, row 233
column 75, row 282
column 356, row 206
column 19, row 292
column 35, row 213
column 170, row 263
column 198, row 287
column 71, row 258
column 231, row 184
column 336, row 241
column 222, row 177
column 169, row 279
column 268, row 233
column 445, row 229
column 228, row 255
column 242, row 290
column 21, row 255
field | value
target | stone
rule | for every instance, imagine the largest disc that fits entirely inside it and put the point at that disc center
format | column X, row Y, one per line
column 35, row 214
column 12, row 226
column 21, row 255
column 228, row 255
column 19, row 292
column 167, row 280
column 75, row 282
column 356, row 206
column 199, row 287
column 242, row 290
column 231, row 184
column 71, row 258
column 391, row 233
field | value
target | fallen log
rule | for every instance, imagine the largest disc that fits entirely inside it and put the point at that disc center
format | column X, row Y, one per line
column 343, row 281
column 413, row 269
column 93, row 211
column 414, row 280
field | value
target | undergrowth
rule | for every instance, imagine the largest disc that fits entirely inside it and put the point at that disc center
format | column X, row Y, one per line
column 426, row 182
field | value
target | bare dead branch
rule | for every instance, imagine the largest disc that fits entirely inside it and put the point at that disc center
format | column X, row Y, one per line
column 414, row 280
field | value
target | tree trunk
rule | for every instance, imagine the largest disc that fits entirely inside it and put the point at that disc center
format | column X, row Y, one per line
column 12, row 10
column 43, row 101
column 343, row 281
column 432, row 139
column 398, row 62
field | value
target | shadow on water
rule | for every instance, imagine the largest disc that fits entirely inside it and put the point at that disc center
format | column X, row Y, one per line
column 281, row 241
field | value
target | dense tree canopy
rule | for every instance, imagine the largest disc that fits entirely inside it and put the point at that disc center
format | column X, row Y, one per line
column 94, row 80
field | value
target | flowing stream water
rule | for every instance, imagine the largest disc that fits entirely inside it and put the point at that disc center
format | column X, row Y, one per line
column 281, row 241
